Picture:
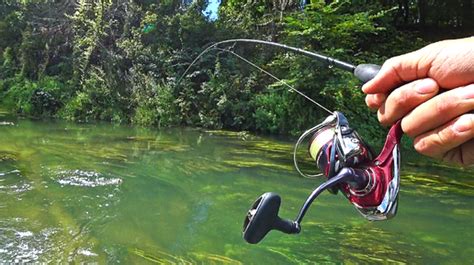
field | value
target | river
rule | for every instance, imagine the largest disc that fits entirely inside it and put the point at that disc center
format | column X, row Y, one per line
column 108, row 194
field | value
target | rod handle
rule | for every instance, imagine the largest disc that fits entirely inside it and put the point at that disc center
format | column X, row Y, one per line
column 366, row 72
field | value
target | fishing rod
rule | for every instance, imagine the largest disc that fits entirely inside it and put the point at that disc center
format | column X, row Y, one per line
column 370, row 184
column 363, row 72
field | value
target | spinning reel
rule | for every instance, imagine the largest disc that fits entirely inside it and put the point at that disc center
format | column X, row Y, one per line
column 371, row 185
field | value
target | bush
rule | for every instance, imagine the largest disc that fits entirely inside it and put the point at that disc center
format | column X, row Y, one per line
column 33, row 98
column 158, row 109
column 96, row 100
column 271, row 112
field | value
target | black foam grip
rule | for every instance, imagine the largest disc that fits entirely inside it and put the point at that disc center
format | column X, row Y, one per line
column 366, row 72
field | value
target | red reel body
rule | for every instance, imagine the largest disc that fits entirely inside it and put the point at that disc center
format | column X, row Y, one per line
column 378, row 199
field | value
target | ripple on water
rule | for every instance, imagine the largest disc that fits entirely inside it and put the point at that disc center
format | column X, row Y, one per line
column 13, row 183
column 86, row 252
column 83, row 178
column 2, row 174
column 19, row 245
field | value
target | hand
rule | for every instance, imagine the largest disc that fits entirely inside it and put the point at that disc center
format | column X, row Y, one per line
column 432, row 91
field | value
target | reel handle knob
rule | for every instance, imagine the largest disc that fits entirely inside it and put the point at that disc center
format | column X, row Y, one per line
column 366, row 72
column 263, row 217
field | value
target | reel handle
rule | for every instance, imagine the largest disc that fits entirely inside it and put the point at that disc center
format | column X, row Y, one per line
column 263, row 217
column 366, row 72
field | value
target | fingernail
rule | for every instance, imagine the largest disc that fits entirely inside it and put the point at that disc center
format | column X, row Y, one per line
column 426, row 86
column 420, row 145
column 364, row 88
column 463, row 124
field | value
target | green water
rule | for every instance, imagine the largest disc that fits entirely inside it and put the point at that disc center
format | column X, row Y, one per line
column 109, row 194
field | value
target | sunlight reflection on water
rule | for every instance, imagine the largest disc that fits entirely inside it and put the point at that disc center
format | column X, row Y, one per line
column 85, row 178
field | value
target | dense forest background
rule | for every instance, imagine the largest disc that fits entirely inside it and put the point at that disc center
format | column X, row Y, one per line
column 119, row 60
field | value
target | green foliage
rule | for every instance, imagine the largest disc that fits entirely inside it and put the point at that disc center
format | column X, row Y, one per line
column 8, row 66
column 154, row 103
column 97, row 100
column 90, row 27
column 31, row 55
column 270, row 113
column 119, row 60
column 11, row 26
column 35, row 98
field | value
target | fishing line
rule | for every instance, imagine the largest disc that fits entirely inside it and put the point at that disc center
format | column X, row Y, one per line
column 305, row 134
column 276, row 78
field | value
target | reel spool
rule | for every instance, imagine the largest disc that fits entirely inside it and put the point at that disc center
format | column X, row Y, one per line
column 336, row 146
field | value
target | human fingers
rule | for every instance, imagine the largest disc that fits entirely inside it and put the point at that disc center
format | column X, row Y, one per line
column 453, row 65
column 374, row 101
column 462, row 155
column 439, row 110
column 452, row 142
column 404, row 99
column 449, row 62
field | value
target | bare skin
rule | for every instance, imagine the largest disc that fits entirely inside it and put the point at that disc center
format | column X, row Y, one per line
column 432, row 91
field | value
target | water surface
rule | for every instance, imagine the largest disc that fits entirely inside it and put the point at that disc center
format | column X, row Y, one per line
column 108, row 194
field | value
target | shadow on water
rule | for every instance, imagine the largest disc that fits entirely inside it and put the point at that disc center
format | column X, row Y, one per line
column 104, row 193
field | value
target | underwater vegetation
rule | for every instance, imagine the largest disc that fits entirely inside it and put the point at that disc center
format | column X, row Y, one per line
column 103, row 193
